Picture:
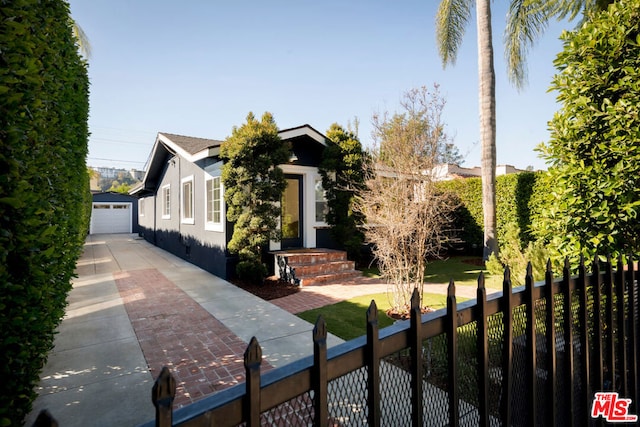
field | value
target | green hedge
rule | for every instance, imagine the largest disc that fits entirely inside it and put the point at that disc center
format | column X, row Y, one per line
column 513, row 198
column 44, row 190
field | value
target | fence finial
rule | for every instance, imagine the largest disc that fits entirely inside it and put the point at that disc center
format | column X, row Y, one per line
column 372, row 312
column 451, row 290
column 481, row 280
column 415, row 299
column 320, row 330
column 162, row 394
column 253, row 353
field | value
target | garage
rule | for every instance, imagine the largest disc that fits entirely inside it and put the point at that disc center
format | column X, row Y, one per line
column 111, row 218
column 113, row 213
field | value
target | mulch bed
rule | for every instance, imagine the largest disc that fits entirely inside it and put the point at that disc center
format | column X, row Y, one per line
column 272, row 288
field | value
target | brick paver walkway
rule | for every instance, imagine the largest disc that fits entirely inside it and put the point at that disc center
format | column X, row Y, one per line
column 317, row 296
column 175, row 331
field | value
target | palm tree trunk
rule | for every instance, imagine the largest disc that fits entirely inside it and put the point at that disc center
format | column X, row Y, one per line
column 487, row 95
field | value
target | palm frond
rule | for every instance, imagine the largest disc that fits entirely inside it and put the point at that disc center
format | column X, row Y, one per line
column 526, row 21
column 451, row 22
column 81, row 39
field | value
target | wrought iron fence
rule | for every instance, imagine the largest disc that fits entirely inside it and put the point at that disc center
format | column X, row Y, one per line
column 533, row 355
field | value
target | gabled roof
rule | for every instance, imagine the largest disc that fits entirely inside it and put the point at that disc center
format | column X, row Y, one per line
column 190, row 147
column 194, row 149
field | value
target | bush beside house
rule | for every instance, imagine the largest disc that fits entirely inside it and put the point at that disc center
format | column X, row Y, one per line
column 514, row 193
column 44, row 188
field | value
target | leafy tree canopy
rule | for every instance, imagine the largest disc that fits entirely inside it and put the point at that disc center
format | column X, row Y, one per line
column 253, row 188
column 594, row 150
column 342, row 176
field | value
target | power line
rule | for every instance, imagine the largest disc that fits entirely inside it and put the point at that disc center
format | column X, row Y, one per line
column 115, row 160
column 93, row 138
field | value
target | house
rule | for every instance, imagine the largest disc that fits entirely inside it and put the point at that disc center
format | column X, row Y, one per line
column 447, row 171
column 181, row 199
column 113, row 213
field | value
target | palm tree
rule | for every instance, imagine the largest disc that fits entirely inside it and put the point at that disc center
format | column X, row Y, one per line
column 451, row 20
column 526, row 21
column 82, row 39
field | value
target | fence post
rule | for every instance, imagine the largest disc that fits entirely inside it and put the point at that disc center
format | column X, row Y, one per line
column 507, row 355
column 252, row 360
column 596, row 283
column 162, row 394
column 568, row 342
column 320, row 387
column 482, row 349
column 373, row 365
column 584, row 339
column 416, row 360
column 634, row 339
column 610, row 358
column 452, row 354
column 531, row 348
column 622, row 327
column 550, row 346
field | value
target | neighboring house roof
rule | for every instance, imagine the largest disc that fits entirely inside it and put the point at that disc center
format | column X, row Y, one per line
column 194, row 149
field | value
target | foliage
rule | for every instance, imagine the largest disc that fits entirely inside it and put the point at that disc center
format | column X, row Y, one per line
column 406, row 215
column 514, row 195
column 120, row 187
column 342, row 176
column 253, row 189
column 348, row 319
column 463, row 270
column 512, row 255
column 451, row 20
column 593, row 197
column 44, row 188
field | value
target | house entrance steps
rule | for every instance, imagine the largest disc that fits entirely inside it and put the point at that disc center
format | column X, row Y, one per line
column 315, row 266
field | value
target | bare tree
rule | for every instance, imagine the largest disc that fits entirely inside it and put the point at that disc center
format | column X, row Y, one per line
column 406, row 215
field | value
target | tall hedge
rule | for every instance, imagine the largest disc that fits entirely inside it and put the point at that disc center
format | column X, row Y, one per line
column 593, row 192
column 513, row 205
column 44, row 190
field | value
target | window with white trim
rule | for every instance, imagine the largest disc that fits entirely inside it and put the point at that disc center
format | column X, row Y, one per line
column 213, row 203
column 140, row 207
column 321, row 201
column 187, row 200
column 166, row 202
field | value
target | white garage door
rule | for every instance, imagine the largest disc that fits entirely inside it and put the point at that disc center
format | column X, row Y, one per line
column 110, row 218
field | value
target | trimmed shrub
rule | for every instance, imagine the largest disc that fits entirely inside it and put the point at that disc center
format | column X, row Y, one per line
column 254, row 186
column 592, row 201
column 44, row 188
column 514, row 194
column 342, row 177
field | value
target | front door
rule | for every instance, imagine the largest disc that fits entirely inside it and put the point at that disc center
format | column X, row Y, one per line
column 292, row 215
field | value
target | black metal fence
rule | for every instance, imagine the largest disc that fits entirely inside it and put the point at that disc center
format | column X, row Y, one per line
column 533, row 355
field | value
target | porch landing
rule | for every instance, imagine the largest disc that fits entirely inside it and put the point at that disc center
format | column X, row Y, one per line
column 314, row 266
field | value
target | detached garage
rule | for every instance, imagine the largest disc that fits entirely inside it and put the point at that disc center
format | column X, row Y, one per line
column 114, row 213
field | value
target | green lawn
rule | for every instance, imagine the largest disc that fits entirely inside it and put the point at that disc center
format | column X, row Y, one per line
column 348, row 319
column 463, row 273
column 443, row 270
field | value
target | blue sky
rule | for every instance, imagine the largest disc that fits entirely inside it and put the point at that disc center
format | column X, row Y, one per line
column 198, row 67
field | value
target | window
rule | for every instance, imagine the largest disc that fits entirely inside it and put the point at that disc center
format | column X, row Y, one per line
column 166, row 202
column 321, row 202
column 140, row 207
column 187, row 200
column 213, row 203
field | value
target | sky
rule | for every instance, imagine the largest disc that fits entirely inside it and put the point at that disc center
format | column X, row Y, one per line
column 198, row 67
